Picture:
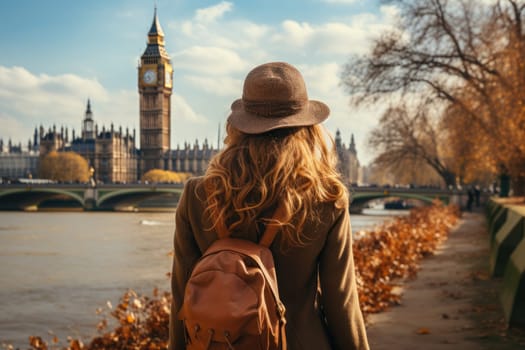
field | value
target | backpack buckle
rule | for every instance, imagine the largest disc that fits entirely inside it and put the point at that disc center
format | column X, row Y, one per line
column 227, row 337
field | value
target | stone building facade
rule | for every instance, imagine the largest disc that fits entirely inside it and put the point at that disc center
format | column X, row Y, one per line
column 17, row 162
column 348, row 164
column 111, row 153
column 191, row 158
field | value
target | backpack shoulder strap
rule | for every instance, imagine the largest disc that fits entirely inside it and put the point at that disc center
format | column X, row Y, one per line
column 271, row 228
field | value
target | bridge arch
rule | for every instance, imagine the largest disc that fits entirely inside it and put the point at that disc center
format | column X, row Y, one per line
column 359, row 199
column 130, row 197
column 32, row 197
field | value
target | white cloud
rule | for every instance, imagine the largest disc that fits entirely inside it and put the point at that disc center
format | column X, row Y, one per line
column 15, row 130
column 235, row 35
column 390, row 13
column 295, row 34
column 16, row 80
column 120, row 108
column 323, row 78
column 208, row 60
column 212, row 13
column 331, row 38
column 237, row 45
column 183, row 110
column 218, row 85
column 44, row 99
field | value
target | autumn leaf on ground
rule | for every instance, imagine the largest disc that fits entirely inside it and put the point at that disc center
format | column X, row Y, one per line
column 394, row 250
column 423, row 331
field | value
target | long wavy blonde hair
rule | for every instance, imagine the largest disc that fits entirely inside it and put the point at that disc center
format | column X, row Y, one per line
column 293, row 168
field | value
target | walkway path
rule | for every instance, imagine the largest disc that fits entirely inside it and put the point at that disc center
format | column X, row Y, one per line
column 452, row 303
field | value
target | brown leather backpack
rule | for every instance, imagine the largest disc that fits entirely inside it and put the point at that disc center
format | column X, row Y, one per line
column 231, row 300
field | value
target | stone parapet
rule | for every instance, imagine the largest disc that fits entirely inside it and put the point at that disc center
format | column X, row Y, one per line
column 506, row 223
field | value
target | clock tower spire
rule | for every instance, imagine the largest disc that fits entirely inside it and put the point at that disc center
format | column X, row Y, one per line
column 155, row 86
column 88, row 125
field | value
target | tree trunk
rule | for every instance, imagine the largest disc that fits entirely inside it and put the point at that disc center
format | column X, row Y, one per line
column 504, row 185
column 449, row 178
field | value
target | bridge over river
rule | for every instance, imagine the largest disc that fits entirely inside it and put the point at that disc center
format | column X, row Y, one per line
column 130, row 196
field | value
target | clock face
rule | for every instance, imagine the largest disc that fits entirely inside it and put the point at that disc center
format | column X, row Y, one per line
column 149, row 76
column 167, row 79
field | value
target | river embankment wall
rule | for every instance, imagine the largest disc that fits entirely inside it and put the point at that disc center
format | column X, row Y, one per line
column 506, row 229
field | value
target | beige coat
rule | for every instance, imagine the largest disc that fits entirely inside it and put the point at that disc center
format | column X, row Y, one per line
column 327, row 254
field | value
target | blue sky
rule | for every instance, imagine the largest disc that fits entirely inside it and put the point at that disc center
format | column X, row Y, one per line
column 56, row 54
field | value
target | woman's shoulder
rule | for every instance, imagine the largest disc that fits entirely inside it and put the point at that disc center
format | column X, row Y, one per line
column 326, row 215
column 193, row 189
column 193, row 182
column 332, row 209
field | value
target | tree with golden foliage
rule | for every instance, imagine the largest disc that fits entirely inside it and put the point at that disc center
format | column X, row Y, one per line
column 408, row 142
column 468, row 55
column 164, row 176
column 472, row 163
column 64, row 167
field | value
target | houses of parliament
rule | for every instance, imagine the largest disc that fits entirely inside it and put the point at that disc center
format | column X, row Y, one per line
column 113, row 152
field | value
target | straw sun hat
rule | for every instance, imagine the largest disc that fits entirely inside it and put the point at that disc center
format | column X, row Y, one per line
column 274, row 96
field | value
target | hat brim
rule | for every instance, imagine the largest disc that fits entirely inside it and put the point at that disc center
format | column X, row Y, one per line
column 314, row 112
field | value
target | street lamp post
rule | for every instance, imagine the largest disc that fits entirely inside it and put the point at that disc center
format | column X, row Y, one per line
column 92, row 181
column 90, row 195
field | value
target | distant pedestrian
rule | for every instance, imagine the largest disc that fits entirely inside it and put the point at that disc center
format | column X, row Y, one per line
column 276, row 155
column 470, row 200
column 477, row 195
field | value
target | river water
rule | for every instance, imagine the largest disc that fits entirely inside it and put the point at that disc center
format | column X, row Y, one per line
column 57, row 268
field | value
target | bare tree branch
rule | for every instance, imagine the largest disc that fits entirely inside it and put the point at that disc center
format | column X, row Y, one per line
column 466, row 54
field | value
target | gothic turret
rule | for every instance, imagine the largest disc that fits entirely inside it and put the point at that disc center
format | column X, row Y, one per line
column 352, row 145
column 88, row 129
column 35, row 139
column 338, row 143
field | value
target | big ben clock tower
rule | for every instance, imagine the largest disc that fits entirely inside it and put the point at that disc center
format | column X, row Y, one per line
column 155, row 85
